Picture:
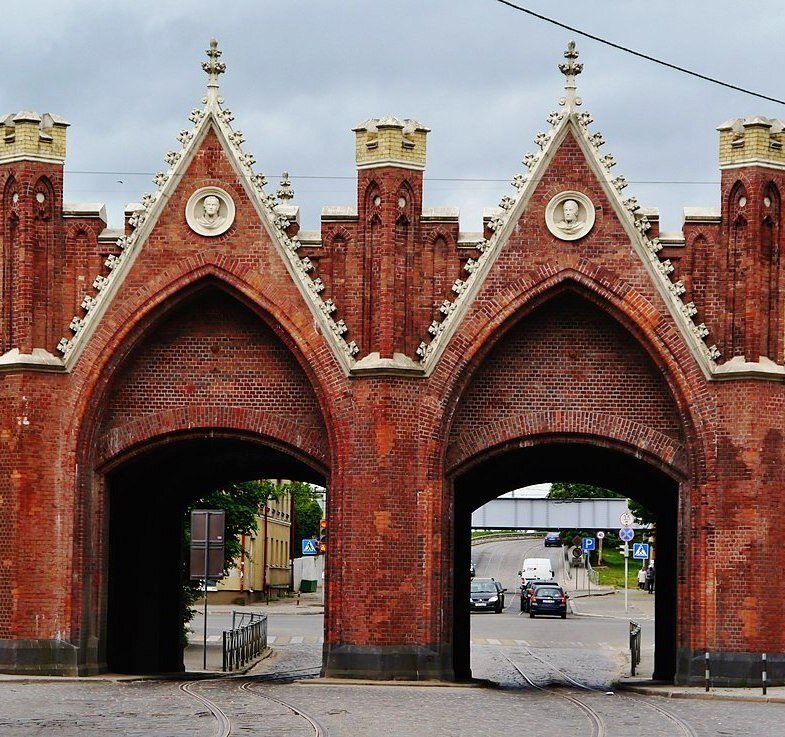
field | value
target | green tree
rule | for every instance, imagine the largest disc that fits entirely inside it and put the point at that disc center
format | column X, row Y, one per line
column 307, row 511
column 241, row 502
column 563, row 490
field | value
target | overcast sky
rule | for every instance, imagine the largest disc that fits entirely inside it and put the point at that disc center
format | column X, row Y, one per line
column 301, row 73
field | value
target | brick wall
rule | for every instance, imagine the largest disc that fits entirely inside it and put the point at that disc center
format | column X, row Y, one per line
column 212, row 335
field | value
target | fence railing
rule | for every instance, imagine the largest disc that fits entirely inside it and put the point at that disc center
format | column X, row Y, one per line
column 635, row 646
column 245, row 641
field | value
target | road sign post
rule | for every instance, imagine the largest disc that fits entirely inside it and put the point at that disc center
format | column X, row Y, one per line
column 600, row 536
column 626, row 572
column 207, row 553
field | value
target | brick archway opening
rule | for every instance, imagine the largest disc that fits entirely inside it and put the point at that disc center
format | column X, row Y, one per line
column 586, row 460
column 148, row 494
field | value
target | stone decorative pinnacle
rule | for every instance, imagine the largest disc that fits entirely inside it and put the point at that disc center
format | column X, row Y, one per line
column 285, row 193
column 213, row 69
column 570, row 69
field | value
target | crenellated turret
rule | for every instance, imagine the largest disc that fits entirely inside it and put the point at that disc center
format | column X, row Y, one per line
column 752, row 162
column 390, row 161
column 32, row 154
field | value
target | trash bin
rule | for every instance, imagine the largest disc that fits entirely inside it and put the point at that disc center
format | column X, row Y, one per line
column 307, row 587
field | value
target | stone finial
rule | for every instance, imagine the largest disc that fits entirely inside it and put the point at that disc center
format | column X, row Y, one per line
column 213, row 68
column 570, row 69
column 285, row 191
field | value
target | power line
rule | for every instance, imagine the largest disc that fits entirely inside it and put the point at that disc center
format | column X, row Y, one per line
column 638, row 53
column 352, row 178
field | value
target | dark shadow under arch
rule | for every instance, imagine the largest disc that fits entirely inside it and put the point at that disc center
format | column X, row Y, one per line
column 562, row 459
column 147, row 496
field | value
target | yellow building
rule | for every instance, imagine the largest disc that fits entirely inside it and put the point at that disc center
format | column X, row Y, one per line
column 264, row 568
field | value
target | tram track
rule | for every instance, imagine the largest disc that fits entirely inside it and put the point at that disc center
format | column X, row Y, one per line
column 227, row 724
column 223, row 723
column 597, row 718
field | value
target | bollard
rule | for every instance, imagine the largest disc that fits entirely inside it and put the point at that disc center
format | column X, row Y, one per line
column 708, row 672
column 763, row 674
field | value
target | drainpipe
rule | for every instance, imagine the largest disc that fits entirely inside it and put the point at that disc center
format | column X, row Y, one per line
column 264, row 555
column 242, row 563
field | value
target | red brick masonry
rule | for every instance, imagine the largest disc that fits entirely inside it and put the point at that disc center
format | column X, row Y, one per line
column 567, row 363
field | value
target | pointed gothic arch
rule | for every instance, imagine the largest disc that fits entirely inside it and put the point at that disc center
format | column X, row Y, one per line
column 170, row 387
column 564, row 426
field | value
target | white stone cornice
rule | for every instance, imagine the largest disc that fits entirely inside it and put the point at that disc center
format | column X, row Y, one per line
column 754, row 161
column 39, row 360
column 85, row 210
column 397, row 163
column 739, row 368
column 398, row 365
column 40, row 158
column 702, row 215
column 339, row 213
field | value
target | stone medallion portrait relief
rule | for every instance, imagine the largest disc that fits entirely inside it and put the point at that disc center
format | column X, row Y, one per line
column 210, row 211
column 569, row 215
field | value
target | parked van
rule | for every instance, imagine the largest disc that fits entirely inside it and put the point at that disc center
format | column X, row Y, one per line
column 536, row 568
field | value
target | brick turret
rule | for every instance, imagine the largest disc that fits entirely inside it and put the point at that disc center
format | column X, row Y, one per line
column 390, row 160
column 32, row 154
column 752, row 162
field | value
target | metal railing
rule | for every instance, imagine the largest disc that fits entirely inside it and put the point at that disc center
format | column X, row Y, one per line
column 635, row 646
column 245, row 641
column 593, row 575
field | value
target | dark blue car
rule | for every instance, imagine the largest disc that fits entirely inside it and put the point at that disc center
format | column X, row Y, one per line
column 548, row 599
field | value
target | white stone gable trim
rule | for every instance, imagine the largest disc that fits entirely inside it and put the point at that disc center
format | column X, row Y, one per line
column 274, row 216
column 512, row 208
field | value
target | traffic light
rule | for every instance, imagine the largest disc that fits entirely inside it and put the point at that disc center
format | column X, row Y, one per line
column 322, row 546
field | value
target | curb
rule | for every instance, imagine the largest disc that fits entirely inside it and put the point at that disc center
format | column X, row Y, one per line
column 670, row 692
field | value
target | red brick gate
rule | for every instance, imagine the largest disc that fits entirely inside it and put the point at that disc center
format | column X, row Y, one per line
column 416, row 370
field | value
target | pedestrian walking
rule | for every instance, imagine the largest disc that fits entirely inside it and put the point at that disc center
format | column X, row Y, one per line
column 642, row 577
column 650, row 578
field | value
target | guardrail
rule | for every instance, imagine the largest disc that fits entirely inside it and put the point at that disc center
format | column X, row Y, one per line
column 635, row 646
column 515, row 535
column 245, row 641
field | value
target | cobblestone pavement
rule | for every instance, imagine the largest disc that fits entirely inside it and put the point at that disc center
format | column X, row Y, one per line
column 501, row 699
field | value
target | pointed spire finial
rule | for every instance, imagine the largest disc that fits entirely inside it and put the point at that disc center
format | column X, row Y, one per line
column 570, row 69
column 285, row 193
column 213, row 69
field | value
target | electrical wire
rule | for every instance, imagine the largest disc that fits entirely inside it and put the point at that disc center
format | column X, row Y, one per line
column 470, row 180
column 627, row 50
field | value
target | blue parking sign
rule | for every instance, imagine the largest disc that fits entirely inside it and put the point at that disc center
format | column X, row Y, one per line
column 587, row 544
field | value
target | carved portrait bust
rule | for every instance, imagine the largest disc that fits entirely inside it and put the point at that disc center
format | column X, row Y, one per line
column 210, row 211
column 569, row 215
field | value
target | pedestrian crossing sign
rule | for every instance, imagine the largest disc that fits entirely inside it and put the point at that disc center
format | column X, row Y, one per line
column 640, row 551
column 310, row 546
